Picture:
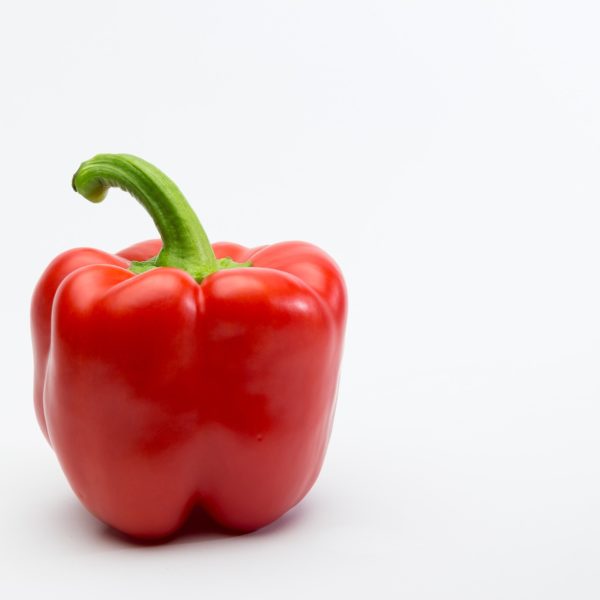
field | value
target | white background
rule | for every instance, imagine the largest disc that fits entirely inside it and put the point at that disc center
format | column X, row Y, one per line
column 447, row 154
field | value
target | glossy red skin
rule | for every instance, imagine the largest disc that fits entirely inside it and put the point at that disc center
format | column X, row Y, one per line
column 159, row 394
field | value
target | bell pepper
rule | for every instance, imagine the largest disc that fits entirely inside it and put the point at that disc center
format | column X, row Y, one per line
column 176, row 375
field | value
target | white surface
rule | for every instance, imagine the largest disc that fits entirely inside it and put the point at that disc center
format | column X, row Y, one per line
column 448, row 155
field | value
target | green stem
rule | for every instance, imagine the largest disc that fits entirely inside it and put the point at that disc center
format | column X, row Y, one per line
column 185, row 244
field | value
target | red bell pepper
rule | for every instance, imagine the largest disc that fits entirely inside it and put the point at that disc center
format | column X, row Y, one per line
column 176, row 375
